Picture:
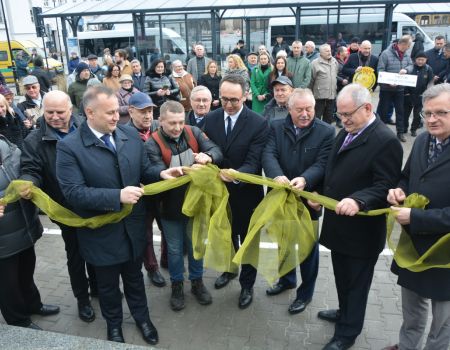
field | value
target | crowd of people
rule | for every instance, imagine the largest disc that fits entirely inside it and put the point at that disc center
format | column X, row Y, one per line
column 91, row 149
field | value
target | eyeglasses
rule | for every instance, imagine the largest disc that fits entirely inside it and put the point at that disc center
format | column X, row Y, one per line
column 31, row 87
column 234, row 101
column 349, row 115
column 437, row 114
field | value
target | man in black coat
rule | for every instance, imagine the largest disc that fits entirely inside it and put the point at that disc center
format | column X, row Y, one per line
column 241, row 135
column 364, row 162
column 296, row 154
column 39, row 166
column 426, row 172
column 201, row 105
column 436, row 58
column 363, row 58
column 138, row 76
column 100, row 168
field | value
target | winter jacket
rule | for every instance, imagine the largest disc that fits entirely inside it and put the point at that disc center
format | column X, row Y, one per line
column 272, row 111
column 301, row 71
column 312, row 56
column 324, row 78
column 154, row 82
column 424, row 77
column 390, row 61
column 77, row 90
column 124, row 97
column 278, row 47
column 73, row 64
column 20, row 227
column 354, row 61
column 193, row 69
column 30, row 109
column 13, row 129
column 186, row 84
column 436, row 60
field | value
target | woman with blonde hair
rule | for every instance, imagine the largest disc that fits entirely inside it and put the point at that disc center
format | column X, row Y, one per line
column 11, row 126
column 237, row 67
column 260, row 83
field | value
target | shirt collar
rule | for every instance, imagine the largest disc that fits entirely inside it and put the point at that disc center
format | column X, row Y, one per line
column 234, row 116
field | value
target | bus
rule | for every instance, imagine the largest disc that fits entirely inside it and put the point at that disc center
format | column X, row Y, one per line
column 370, row 27
column 174, row 46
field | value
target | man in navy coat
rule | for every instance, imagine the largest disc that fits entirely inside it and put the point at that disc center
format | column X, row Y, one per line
column 100, row 167
column 426, row 172
column 241, row 135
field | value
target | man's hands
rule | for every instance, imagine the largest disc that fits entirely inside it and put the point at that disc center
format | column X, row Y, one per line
column 130, row 194
column 396, row 196
column 2, row 210
column 347, row 206
column 225, row 175
column 171, row 173
column 298, row 183
column 202, row 158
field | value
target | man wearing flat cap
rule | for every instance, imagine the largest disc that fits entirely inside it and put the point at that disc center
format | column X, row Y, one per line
column 277, row 107
column 95, row 67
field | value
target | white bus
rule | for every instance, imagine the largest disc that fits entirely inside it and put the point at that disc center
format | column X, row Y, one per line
column 370, row 27
column 174, row 46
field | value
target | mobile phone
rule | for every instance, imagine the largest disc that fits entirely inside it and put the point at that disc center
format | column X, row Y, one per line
column 165, row 87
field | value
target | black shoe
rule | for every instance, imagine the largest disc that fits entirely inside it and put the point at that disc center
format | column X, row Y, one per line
column 245, row 298
column 86, row 312
column 338, row 344
column 34, row 326
column 298, row 306
column 149, row 332
column 224, row 279
column 413, row 133
column 47, row 310
column 401, row 137
column 177, row 297
column 116, row 335
column 201, row 293
column 156, row 278
column 329, row 315
column 278, row 288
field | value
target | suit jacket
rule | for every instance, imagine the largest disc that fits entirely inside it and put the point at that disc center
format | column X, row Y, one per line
column 429, row 225
column 354, row 61
column 242, row 152
column 91, row 177
column 364, row 170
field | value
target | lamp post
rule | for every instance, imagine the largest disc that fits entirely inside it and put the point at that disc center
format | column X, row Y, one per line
column 13, row 62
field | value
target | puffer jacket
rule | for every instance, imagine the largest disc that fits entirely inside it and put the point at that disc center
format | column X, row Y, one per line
column 77, row 90
column 324, row 78
column 390, row 61
column 154, row 82
column 301, row 71
column 20, row 227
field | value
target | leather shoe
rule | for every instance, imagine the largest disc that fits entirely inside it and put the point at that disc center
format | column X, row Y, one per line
column 401, row 137
column 149, row 332
column 115, row 334
column 246, row 298
column 156, row 278
column 339, row 344
column 329, row 315
column 47, row 310
column 299, row 305
column 224, row 279
column 34, row 326
column 86, row 312
column 278, row 288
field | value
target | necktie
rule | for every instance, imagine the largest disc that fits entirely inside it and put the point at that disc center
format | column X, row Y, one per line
column 107, row 141
column 347, row 141
column 228, row 127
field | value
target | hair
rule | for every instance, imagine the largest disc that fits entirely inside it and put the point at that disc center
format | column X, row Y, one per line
column 200, row 88
column 90, row 96
column 299, row 93
column 5, row 102
column 435, row 91
column 405, row 39
column 297, row 42
column 281, row 53
column 38, row 62
column 170, row 106
column 56, row 93
column 208, row 64
column 154, row 64
column 323, row 47
column 439, row 37
column 122, row 53
column 310, row 43
column 265, row 53
column 235, row 79
column 178, row 62
column 110, row 69
column 237, row 60
column 340, row 50
column 274, row 74
column 358, row 93
column 135, row 61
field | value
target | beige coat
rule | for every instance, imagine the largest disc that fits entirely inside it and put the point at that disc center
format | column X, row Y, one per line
column 324, row 78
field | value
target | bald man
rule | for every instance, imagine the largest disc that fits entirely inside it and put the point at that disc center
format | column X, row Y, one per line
column 39, row 166
column 363, row 58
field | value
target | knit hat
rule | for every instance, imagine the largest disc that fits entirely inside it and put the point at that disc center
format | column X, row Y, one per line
column 421, row 54
column 81, row 67
column 93, row 82
column 5, row 91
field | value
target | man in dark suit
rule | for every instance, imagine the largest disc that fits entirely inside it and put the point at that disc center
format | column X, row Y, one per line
column 296, row 154
column 100, row 167
column 356, row 61
column 201, row 104
column 426, row 172
column 138, row 76
column 364, row 162
column 241, row 135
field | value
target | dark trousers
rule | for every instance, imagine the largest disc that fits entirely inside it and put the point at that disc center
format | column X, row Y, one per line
column 309, row 269
column 109, row 293
column 412, row 103
column 77, row 266
column 353, row 277
column 19, row 296
column 324, row 110
column 386, row 99
column 150, row 262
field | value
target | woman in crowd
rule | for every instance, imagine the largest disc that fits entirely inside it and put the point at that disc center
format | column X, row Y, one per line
column 260, row 83
column 211, row 79
column 280, row 69
column 12, row 127
column 185, row 83
column 160, row 86
column 123, row 95
column 237, row 67
column 112, row 77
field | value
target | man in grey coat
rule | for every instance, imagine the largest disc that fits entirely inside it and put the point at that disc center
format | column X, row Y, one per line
column 197, row 65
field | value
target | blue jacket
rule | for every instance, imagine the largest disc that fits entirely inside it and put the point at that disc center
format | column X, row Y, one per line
column 91, row 177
